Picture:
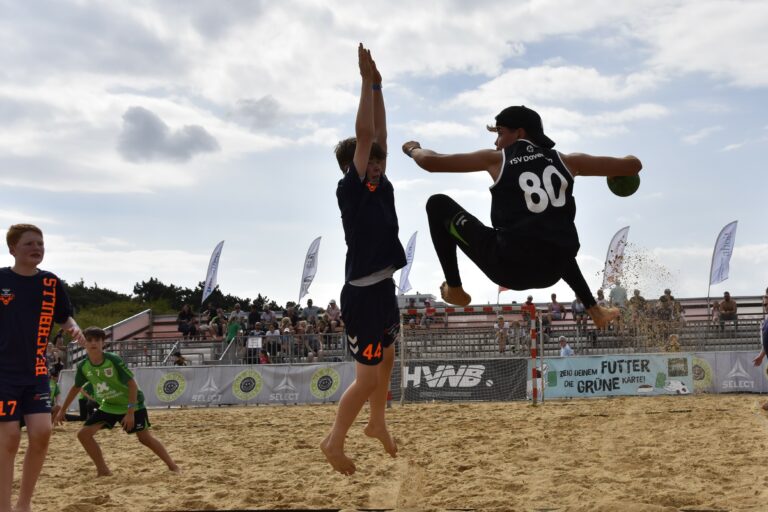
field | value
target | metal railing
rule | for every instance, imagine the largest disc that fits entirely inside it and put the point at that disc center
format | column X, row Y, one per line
column 482, row 341
column 291, row 348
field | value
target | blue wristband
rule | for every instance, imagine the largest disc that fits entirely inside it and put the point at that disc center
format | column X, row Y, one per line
column 376, row 87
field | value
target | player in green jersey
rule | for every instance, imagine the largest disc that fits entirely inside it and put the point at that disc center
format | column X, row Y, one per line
column 120, row 399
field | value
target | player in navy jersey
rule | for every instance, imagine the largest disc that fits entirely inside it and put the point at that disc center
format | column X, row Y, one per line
column 374, row 252
column 31, row 301
column 533, row 241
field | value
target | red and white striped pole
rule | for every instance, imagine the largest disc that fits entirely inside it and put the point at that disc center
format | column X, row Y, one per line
column 534, row 387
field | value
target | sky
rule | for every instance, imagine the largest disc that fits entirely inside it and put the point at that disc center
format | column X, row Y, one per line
column 138, row 135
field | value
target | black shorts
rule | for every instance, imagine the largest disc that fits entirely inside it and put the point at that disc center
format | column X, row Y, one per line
column 108, row 420
column 16, row 401
column 371, row 318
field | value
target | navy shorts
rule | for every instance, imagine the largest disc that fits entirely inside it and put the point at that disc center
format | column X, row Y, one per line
column 371, row 319
column 108, row 420
column 19, row 400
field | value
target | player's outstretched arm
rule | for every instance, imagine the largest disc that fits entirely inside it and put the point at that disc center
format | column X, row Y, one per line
column 483, row 160
column 59, row 417
column 587, row 165
column 73, row 329
column 364, row 127
column 379, row 112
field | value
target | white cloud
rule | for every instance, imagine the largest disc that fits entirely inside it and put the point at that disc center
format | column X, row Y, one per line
column 734, row 146
column 725, row 39
column 19, row 217
column 546, row 85
column 438, row 129
column 698, row 136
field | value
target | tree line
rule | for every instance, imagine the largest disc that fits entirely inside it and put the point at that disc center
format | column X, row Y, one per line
column 154, row 291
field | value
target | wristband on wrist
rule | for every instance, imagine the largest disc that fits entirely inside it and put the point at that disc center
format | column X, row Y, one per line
column 131, row 406
column 410, row 151
column 376, row 87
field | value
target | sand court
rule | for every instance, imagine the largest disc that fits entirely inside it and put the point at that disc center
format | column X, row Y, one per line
column 702, row 452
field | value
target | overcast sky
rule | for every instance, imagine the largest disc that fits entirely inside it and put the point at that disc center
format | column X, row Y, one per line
column 140, row 134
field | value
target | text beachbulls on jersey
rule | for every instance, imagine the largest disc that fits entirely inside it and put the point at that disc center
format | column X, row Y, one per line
column 29, row 307
column 533, row 196
column 370, row 226
column 110, row 383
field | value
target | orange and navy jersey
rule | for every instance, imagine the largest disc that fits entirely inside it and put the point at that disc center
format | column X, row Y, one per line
column 370, row 224
column 29, row 307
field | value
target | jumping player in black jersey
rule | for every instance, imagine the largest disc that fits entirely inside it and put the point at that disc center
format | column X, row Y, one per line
column 31, row 301
column 533, row 241
column 374, row 252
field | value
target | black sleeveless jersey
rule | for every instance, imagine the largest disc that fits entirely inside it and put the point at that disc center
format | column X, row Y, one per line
column 533, row 196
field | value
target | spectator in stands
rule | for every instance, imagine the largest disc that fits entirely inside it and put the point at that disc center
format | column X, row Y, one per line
column 310, row 312
column 665, row 305
column 529, row 314
column 238, row 314
column 728, row 311
column 313, row 346
column 601, row 299
column 579, row 313
column 254, row 316
column 555, row 310
column 292, row 312
column 565, row 348
column 286, row 335
column 272, row 339
column 637, row 306
column 765, row 304
column 333, row 311
column 673, row 344
column 268, row 316
column 186, row 322
column 428, row 318
column 264, row 356
column 179, row 360
column 258, row 329
column 618, row 298
column 501, row 329
column 218, row 325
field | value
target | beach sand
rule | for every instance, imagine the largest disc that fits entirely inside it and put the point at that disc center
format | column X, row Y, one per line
column 704, row 452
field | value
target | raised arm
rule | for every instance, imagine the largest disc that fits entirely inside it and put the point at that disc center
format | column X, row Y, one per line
column 483, row 160
column 364, row 127
column 379, row 113
column 587, row 165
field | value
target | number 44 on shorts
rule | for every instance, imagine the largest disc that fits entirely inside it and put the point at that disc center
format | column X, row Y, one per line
column 369, row 354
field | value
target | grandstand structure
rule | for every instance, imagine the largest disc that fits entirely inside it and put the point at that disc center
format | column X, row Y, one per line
column 468, row 332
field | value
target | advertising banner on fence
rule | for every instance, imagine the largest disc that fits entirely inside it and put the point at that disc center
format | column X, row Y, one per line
column 642, row 374
column 728, row 372
column 479, row 379
column 240, row 385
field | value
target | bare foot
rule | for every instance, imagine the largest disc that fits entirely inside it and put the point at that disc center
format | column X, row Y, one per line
column 337, row 459
column 603, row 316
column 765, row 406
column 103, row 472
column 176, row 469
column 383, row 435
column 454, row 295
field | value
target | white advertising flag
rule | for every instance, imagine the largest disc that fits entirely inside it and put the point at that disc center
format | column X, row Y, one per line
column 310, row 267
column 213, row 268
column 721, row 257
column 410, row 251
column 615, row 257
